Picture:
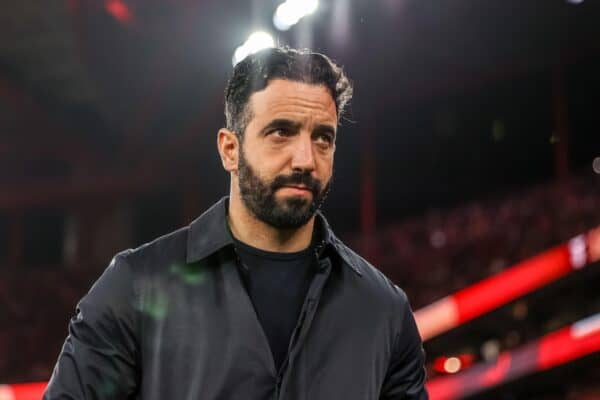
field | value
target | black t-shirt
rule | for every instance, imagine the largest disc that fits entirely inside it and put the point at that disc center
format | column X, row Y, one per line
column 277, row 284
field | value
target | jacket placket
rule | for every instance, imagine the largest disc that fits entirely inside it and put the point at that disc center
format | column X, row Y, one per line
column 307, row 314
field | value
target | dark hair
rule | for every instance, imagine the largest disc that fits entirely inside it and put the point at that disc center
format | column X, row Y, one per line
column 254, row 73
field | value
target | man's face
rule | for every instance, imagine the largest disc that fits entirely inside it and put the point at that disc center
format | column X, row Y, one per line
column 286, row 158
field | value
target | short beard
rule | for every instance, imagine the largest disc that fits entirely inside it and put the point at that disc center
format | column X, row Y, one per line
column 290, row 213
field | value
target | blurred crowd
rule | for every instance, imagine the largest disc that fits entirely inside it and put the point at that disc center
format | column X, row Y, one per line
column 440, row 252
column 36, row 306
column 430, row 256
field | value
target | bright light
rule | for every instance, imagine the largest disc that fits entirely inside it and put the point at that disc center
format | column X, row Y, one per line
column 490, row 349
column 291, row 11
column 575, row 1
column 596, row 165
column 452, row 365
column 255, row 42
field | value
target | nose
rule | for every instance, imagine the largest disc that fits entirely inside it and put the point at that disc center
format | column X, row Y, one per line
column 303, row 158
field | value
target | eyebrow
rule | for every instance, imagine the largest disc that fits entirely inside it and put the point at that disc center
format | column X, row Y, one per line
column 324, row 128
column 282, row 123
column 294, row 126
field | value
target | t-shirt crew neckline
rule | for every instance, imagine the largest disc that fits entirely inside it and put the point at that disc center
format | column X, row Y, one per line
column 272, row 255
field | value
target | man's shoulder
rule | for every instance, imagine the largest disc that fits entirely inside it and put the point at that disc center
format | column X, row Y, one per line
column 194, row 242
column 164, row 250
column 372, row 279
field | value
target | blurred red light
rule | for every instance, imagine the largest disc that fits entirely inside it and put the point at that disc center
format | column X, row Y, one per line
column 438, row 364
column 119, row 10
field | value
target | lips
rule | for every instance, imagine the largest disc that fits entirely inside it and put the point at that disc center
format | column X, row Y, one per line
column 297, row 189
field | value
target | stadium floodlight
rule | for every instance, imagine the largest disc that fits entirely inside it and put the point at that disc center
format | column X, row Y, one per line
column 291, row 11
column 256, row 41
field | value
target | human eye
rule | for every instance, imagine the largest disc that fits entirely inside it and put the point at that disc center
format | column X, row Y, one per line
column 324, row 139
column 281, row 132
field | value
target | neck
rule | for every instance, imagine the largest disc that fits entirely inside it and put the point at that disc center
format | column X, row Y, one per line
column 246, row 228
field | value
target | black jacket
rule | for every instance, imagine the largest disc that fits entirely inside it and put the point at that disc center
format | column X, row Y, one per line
column 171, row 320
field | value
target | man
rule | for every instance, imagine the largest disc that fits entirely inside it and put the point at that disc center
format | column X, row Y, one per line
column 257, row 298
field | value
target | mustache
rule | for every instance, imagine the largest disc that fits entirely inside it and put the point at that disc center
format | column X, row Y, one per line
column 297, row 179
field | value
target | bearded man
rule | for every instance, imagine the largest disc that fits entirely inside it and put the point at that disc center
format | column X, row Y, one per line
column 257, row 298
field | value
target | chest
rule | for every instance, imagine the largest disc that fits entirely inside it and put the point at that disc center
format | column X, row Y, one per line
column 207, row 338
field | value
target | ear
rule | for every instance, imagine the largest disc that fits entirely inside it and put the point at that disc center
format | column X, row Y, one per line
column 229, row 147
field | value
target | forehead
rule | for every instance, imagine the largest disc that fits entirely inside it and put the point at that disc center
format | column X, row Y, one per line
column 284, row 98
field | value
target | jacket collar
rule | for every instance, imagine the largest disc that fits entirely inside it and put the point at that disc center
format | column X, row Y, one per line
column 209, row 233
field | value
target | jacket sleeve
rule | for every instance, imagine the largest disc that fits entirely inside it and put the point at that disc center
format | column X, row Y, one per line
column 405, row 378
column 99, row 357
